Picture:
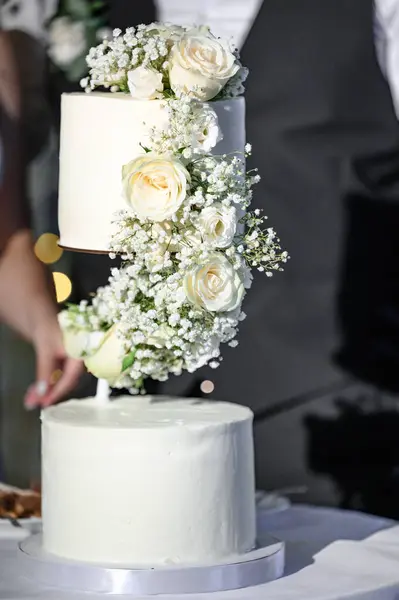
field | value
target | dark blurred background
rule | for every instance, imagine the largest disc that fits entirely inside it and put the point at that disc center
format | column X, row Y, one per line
column 318, row 359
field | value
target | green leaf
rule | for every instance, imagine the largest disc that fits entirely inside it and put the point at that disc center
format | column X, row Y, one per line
column 97, row 5
column 78, row 9
column 168, row 93
column 94, row 24
column 146, row 150
column 128, row 360
column 123, row 87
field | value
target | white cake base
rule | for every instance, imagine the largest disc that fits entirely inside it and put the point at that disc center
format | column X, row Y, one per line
column 148, row 481
column 263, row 564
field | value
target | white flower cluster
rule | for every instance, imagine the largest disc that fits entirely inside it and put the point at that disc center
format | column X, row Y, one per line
column 67, row 41
column 188, row 243
column 75, row 27
column 165, row 61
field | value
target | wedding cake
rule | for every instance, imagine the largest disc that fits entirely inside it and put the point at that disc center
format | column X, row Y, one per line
column 148, row 481
column 153, row 170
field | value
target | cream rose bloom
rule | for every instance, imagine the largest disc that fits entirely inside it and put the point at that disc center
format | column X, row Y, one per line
column 145, row 84
column 200, row 65
column 78, row 343
column 155, row 186
column 106, row 363
column 215, row 286
column 218, row 224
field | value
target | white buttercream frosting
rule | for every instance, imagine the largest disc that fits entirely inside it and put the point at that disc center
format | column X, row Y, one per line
column 101, row 132
column 148, row 481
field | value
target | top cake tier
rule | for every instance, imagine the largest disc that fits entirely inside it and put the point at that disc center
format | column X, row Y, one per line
column 101, row 132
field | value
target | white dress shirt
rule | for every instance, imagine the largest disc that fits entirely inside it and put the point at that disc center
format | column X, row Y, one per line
column 387, row 43
column 229, row 19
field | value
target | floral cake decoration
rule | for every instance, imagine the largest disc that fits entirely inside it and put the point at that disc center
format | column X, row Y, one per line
column 188, row 237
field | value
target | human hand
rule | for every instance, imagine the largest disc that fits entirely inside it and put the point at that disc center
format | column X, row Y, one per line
column 56, row 373
column 27, row 304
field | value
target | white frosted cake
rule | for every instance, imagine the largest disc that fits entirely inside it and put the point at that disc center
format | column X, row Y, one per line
column 148, row 481
column 154, row 170
column 100, row 132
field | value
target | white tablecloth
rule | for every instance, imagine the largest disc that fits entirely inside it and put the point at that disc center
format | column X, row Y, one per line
column 331, row 555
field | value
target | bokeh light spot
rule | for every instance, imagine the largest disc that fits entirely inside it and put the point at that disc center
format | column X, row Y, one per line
column 207, row 387
column 63, row 286
column 47, row 249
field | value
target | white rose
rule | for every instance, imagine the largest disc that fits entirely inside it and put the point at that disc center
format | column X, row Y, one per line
column 155, row 186
column 78, row 343
column 218, row 224
column 200, row 65
column 144, row 83
column 75, row 342
column 206, row 130
column 107, row 362
column 67, row 41
column 215, row 286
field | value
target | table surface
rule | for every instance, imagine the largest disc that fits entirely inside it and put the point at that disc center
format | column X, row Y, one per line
column 330, row 555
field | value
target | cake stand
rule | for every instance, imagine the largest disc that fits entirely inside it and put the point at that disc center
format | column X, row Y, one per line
column 263, row 564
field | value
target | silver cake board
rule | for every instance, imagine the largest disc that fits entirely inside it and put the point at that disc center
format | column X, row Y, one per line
column 263, row 564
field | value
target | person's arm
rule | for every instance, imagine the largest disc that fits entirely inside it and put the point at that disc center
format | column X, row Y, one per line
column 387, row 41
column 27, row 302
column 13, row 202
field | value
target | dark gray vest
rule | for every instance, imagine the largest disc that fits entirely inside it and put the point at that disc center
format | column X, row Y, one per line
column 316, row 105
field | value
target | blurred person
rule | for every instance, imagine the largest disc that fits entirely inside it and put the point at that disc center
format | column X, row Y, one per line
column 312, row 105
column 316, row 105
column 387, row 43
column 27, row 300
column 28, row 16
column 307, row 122
column 369, row 304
